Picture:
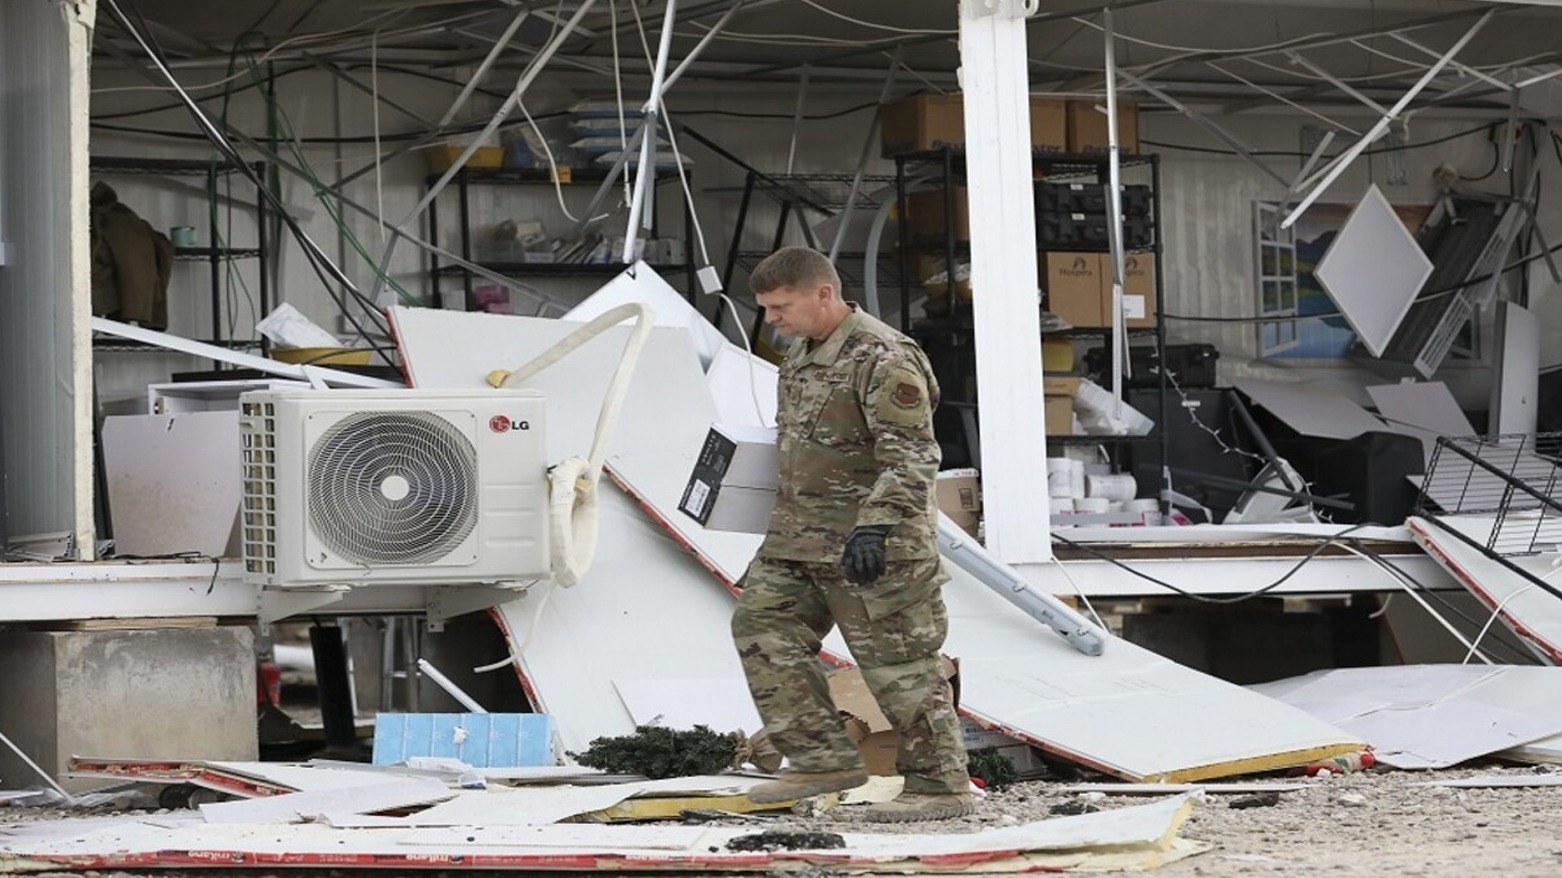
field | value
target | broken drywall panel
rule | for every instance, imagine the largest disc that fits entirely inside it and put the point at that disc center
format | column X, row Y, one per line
column 719, row 703
column 1373, row 270
column 645, row 609
column 404, row 792
column 1533, row 614
column 666, row 393
column 1498, row 781
column 1432, row 716
column 1423, row 409
column 1163, row 789
column 1133, row 837
column 644, row 285
column 1516, row 378
column 174, row 483
column 543, row 805
column 1310, row 411
column 1420, row 638
column 662, row 426
column 481, row 740
column 1424, row 404
column 1021, row 679
column 743, row 387
column 1546, row 751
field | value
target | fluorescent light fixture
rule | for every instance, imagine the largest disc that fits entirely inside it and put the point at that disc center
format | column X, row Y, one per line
column 1373, row 270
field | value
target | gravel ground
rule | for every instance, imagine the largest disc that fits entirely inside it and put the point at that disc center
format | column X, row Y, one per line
column 1376, row 823
column 1372, row 823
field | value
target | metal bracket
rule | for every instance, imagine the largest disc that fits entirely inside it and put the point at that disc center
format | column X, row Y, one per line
column 277, row 604
column 447, row 602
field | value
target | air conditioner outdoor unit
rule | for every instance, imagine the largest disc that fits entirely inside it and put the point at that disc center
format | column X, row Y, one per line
column 365, row 487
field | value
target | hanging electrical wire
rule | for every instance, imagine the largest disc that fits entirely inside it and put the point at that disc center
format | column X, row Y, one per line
column 324, row 268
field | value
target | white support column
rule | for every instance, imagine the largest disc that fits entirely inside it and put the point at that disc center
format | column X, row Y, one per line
column 1003, row 277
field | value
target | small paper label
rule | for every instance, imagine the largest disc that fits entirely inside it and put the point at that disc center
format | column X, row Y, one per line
column 1133, row 307
column 699, row 494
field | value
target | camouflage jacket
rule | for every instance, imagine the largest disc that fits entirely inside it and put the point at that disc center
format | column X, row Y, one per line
column 855, row 435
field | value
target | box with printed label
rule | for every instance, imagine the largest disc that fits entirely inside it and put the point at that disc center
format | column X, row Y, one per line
column 959, row 496
column 925, row 122
column 1087, row 128
column 1138, row 290
column 1073, row 283
column 733, row 486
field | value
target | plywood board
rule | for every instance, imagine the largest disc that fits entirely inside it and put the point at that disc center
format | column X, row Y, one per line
column 1432, row 716
column 1310, row 411
column 1373, row 270
column 1531, row 613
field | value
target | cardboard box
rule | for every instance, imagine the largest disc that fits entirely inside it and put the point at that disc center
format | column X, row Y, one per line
column 925, row 217
column 959, row 496
column 1073, row 282
column 926, row 122
column 440, row 158
column 866, row 724
column 1058, row 403
column 1138, row 290
column 733, row 486
column 1087, row 127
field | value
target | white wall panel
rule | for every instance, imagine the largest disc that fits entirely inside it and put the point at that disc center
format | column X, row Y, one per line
column 44, row 397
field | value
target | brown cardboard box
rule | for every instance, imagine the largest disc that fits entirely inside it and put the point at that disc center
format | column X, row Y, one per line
column 925, row 217
column 866, row 724
column 959, row 496
column 921, row 123
column 1087, row 128
column 1058, row 403
column 1138, row 290
column 1073, row 283
column 1048, row 125
column 926, row 122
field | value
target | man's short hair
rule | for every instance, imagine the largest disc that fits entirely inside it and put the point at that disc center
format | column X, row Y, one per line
column 799, row 268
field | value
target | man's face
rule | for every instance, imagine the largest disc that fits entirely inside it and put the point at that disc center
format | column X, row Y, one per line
column 798, row 312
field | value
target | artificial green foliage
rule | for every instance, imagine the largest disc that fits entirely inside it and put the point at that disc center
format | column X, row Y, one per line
column 995, row 769
column 656, row 752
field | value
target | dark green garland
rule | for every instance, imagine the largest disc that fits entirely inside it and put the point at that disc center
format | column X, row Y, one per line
column 655, row 752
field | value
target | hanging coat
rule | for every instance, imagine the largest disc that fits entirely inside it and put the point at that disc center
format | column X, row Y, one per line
column 131, row 263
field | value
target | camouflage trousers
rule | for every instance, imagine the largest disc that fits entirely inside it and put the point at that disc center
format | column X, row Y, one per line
column 895, row 628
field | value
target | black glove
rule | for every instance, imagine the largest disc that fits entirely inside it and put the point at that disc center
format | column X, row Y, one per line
column 863, row 560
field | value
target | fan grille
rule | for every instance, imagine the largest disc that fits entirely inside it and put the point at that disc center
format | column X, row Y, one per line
column 393, row 488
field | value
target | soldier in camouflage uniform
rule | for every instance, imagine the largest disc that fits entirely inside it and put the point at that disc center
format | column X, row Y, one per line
column 852, row 543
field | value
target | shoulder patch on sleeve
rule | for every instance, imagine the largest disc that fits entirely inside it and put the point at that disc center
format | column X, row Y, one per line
column 902, row 397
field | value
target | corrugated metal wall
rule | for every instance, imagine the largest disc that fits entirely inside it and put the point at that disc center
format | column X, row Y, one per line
column 40, row 383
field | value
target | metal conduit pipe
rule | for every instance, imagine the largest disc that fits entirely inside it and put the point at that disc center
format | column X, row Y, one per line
column 957, row 547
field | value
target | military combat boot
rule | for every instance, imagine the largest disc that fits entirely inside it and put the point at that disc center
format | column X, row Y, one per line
column 913, row 807
column 791, row 785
